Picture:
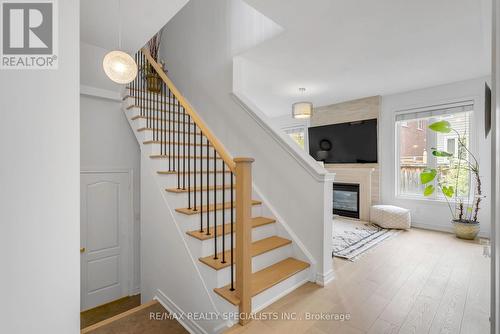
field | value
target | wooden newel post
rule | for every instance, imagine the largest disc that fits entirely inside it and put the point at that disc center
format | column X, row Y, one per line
column 243, row 172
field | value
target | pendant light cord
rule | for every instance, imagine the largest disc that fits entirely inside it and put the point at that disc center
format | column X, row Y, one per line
column 119, row 26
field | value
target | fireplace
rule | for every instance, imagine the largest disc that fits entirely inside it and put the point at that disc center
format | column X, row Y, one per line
column 346, row 199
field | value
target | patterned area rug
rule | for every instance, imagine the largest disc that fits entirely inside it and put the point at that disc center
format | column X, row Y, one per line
column 353, row 238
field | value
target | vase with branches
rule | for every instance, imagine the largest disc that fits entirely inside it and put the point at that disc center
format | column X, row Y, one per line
column 453, row 180
column 152, row 78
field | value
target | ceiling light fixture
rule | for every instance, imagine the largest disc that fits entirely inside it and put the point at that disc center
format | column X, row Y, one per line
column 118, row 65
column 301, row 110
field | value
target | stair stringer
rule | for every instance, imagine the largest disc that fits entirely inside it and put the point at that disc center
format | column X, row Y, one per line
column 166, row 242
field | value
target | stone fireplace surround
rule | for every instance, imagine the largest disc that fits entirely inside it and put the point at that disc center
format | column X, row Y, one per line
column 365, row 176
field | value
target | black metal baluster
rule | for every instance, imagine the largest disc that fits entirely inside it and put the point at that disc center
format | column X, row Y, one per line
column 223, row 212
column 189, row 163
column 148, row 100
column 156, row 118
column 164, row 120
column 208, row 192
column 178, row 146
column 171, row 166
column 232, row 234
column 215, row 203
column 184, row 150
column 194, row 166
column 143, row 87
column 141, row 84
column 201, row 182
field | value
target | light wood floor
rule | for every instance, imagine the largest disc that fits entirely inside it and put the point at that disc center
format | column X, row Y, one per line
column 417, row 282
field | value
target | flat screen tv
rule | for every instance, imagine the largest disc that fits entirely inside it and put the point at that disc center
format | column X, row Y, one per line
column 353, row 142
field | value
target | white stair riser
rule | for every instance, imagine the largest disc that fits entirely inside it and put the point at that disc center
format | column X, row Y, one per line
column 281, row 289
column 192, row 222
column 162, row 164
column 204, row 248
column 155, row 148
column 207, row 247
column 142, row 122
column 130, row 101
column 170, row 180
column 180, row 200
column 259, row 262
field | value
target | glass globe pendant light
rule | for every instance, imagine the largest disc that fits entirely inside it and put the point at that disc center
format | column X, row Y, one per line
column 119, row 66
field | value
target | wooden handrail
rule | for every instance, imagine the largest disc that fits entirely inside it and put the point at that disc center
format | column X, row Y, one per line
column 217, row 145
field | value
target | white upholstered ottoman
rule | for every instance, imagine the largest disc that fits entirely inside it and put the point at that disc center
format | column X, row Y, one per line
column 390, row 216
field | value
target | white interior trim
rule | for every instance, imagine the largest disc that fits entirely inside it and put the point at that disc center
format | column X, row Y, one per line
column 190, row 325
column 132, row 266
column 291, row 233
column 305, row 161
column 99, row 92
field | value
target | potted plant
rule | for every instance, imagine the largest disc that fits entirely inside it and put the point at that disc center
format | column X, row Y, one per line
column 452, row 179
column 152, row 78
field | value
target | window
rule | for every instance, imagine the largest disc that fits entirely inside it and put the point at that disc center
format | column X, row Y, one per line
column 415, row 143
column 452, row 145
column 297, row 134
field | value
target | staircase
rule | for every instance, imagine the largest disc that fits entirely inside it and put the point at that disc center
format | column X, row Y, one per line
column 246, row 256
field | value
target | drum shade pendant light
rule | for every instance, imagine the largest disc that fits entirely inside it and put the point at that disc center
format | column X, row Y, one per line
column 119, row 66
column 301, row 110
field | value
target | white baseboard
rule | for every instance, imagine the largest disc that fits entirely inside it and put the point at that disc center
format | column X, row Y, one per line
column 190, row 325
column 281, row 295
column 443, row 228
column 324, row 279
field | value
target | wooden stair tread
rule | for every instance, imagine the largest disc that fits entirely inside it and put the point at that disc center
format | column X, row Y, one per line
column 211, row 207
column 157, row 119
column 165, row 156
column 149, row 142
column 164, row 130
column 202, row 188
column 266, row 278
column 258, row 247
column 256, row 222
column 172, row 172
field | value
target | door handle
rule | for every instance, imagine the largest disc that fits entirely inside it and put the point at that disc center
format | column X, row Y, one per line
column 82, row 250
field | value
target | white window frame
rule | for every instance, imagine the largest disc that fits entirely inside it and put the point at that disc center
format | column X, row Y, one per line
column 430, row 160
column 306, row 135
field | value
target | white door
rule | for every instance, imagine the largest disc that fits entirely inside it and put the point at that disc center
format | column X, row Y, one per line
column 105, row 235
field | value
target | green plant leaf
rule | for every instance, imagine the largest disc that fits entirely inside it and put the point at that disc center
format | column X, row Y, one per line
column 448, row 191
column 428, row 175
column 441, row 154
column 441, row 126
column 429, row 190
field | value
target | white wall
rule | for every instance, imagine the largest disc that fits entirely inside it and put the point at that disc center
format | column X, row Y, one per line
column 39, row 192
column 495, row 175
column 198, row 54
column 107, row 144
column 426, row 213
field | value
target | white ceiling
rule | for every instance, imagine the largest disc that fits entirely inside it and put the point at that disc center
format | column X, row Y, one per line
column 346, row 49
column 100, row 21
